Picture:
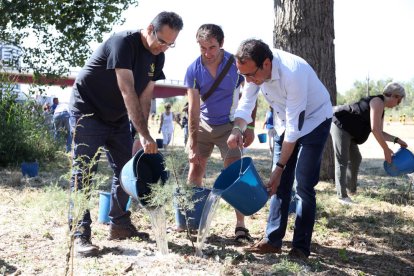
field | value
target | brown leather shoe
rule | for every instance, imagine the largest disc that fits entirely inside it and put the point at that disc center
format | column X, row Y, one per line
column 125, row 231
column 262, row 247
column 297, row 254
column 85, row 248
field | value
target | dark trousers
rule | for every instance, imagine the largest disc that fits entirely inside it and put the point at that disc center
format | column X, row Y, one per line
column 304, row 166
column 90, row 134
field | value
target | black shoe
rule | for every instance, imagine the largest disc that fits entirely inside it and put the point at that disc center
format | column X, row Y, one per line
column 125, row 231
column 85, row 248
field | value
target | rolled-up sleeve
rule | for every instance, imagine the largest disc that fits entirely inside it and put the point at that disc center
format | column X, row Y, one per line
column 247, row 102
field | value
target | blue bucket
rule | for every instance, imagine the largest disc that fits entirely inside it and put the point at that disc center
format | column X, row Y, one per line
column 160, row 143
column 242, row 187
column 104, row 207
column 199, row 197
column 402, row 163
column 140, row 172
column 31, row 169
column 262, row 137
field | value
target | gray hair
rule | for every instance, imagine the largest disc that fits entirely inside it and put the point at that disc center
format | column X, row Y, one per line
column 171, row 19
column 394, row 88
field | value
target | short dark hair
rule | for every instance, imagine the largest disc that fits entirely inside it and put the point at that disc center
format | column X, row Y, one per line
column 173, row 20
column 208, row 31
column 254, row 49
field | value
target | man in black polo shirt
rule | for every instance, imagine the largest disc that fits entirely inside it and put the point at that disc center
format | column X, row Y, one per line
column 115, row 85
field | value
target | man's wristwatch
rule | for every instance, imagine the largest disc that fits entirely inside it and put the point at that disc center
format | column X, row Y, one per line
column 280, row 165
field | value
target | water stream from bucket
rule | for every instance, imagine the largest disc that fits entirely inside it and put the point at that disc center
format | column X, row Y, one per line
column 157, row 217
column 209, row 211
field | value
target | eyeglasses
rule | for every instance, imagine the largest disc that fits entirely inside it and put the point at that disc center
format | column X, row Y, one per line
column 249, row 75
column 163, row 42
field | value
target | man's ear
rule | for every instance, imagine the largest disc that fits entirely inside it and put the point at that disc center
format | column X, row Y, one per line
column 267, row 63
column 221, row 44
column 150, row 29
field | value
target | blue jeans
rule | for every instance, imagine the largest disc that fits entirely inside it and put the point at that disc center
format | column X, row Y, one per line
column 61, row 125
column 89, row 136
column 304, row 166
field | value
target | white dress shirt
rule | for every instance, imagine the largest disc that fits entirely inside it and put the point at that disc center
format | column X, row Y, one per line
column 299, row 99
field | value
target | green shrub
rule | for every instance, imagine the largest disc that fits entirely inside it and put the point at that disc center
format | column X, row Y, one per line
column 24, row 136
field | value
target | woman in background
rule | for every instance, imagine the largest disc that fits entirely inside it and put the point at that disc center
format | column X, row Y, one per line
column 167, row 125
column 351, row 126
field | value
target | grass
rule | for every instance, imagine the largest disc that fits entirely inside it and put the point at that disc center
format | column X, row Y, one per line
column 373, row 237
column 287, row 267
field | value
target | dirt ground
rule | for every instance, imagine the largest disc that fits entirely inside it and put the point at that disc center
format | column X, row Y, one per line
column 373, row 237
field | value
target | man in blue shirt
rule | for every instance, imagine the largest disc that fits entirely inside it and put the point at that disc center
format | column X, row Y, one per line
column 211, row 121
column 303, row 113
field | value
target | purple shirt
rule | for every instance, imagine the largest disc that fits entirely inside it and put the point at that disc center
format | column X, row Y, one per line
column 219, row 108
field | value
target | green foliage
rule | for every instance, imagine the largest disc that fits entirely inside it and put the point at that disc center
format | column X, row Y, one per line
column 361, row 89
column 286, row 267
column 160, row 194
column 343, row 254
column 60, row 31
column 24, row 135
column 376, row 87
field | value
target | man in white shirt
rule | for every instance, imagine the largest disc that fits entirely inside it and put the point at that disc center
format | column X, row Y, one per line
column 303, row 114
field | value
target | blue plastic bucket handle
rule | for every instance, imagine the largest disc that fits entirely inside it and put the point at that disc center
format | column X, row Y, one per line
column 242, row 186
column 402, row 163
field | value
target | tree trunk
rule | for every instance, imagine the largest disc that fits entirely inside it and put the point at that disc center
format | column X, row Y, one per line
column 306, row 28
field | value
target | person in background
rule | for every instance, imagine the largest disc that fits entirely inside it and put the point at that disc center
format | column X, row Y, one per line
column 48, row 115
column 303, row 113
column 211, row 121
column 268, row 125
column 61, row 124
column 116, row 85
column 167, row 125
column 184, row 123
column 351, row 126
column 55, row 103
